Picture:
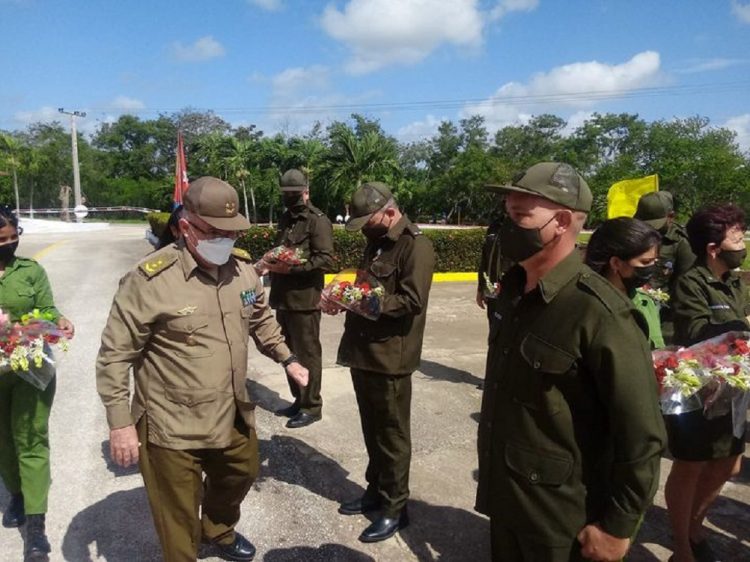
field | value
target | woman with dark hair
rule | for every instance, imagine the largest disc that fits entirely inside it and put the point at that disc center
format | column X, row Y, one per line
column 24, row 409
column 624, row 251
column 709, row 300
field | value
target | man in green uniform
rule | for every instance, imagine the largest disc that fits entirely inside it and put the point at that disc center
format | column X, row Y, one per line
column 570, row 432
column 492, row 265
column 383, row 353
column 675, row 255
column 295, row 291
column 181, row 321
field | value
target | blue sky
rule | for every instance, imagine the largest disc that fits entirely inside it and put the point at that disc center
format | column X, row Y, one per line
column 282, row 64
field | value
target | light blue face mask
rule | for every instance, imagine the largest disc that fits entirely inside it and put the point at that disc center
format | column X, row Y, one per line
column 215, row 250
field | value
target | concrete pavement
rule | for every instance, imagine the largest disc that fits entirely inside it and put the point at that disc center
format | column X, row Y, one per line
column 100, row 512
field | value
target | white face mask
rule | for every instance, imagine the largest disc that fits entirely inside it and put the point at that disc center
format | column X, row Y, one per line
column 216, row 250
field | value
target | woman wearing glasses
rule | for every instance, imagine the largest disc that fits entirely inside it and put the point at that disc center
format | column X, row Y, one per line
column 24, row 409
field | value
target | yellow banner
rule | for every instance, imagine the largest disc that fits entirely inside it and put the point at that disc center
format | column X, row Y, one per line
column 623, row 196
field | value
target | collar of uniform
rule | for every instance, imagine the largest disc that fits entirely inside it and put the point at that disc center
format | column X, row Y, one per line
column 395, row 231
column 17, row 263
column 187, row 260
column 301, row 214
column 730, row 278
column 560, row 275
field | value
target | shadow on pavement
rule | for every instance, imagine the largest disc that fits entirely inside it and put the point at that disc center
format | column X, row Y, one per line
column 117, row 528
column 324, row 553
column 265, row 398
column 436, row 532
column 449, row 374
column 115, row 468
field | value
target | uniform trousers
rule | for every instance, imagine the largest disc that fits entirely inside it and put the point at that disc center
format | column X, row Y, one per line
column 385, row 414
column 301, row 330
column 24, row 440
column 188, row 508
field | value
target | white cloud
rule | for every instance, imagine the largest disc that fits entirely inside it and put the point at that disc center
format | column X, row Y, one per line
column 418, row 130
column 576, row 120
column 126, row 104
column 203, row 49
column 293, row 81
column 741, row 11
column 578, row 85
column 740, row 125
column 44, row 114
column 269, row 5
column 506, row 6
column 704, row 65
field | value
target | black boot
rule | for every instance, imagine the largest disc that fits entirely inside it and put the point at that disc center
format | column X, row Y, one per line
column 37, row 545
column 14, row 515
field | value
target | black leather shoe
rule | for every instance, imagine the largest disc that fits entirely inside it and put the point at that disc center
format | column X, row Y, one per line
column 14, row 515
column 360, row 505
column 301, row 420
column 289, row 411
column 384, row 528
column 37, row 546
column 241, row 549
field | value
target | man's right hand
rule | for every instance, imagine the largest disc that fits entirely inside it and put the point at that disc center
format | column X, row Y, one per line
column 480, row 299
column 123, row 445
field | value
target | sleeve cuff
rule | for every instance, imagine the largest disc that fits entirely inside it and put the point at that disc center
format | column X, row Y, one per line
column 620, row 524
column 119, row 416
column 281, row 352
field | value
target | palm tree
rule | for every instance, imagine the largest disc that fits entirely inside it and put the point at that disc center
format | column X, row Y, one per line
column 12, row 148
column 239, row 158
column 212, row 149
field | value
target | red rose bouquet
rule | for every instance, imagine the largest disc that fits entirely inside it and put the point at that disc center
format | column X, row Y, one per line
column 25, row 347
column 362, row 296
column 286, row 255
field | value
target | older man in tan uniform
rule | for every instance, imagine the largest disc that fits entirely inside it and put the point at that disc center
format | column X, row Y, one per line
column 181, row 321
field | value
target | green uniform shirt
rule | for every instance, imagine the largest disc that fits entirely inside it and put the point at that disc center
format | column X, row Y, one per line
column 491, row 260
column 650, row 311
column 675, row 258
column 402, row 261
column 23, row 287
column 705, row 306
column 311, row 231
column 570, row 430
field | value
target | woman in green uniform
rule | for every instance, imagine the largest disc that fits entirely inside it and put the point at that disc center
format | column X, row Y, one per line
column 625, row 251
column 709, row 300
column 24, row 409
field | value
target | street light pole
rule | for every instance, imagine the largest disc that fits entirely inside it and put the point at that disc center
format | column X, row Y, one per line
column 74, row 150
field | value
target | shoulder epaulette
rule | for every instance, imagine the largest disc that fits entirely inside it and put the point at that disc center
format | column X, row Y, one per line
column 241, row 254
column 612, row 299
column 315, row 211
column 413, row 229
column 157, row 264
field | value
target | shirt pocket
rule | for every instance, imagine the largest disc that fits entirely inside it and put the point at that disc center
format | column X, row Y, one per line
column 193, row 412
column 190, row 333
column 537, row 467
column 299, row 235
column 383, row 270
column 20, row 300
column 536, row 388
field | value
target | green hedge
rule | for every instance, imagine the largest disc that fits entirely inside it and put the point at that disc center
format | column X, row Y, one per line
column 455, row 249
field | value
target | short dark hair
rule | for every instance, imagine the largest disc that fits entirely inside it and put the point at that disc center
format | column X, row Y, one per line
column 8, row 216
column 623, row 237
column 709, row 225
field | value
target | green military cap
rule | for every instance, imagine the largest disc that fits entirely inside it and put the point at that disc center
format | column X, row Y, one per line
column 369, row 198
column 654, row 208
column 216, row 202
column 293, row 180
column 554, row 181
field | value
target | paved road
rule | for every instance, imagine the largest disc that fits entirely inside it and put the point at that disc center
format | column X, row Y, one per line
column 99, row 512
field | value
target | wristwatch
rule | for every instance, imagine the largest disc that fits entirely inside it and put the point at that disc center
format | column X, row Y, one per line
column 289, row 360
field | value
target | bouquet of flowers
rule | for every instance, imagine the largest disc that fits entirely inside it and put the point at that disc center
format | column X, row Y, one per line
column 713, row 375
column 25, row 347
column 659, row 296
column 490, row 290
column 286, row 255
column 362, row 296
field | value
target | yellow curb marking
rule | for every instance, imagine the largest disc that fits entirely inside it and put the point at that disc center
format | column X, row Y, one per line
column 452, row 277
column 44, row 251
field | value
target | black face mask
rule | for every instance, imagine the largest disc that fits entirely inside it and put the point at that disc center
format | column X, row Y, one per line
column 733, row 258
column 7, row 251
column 375, row 232
column 519, row 244
column 641, row 276
column 293, row 200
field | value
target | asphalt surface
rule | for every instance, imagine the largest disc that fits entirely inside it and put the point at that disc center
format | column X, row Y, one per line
column 99, row 511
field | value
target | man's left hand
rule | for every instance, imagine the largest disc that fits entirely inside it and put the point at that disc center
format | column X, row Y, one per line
column 297, row 373
column 596, row 544
column 66, row 326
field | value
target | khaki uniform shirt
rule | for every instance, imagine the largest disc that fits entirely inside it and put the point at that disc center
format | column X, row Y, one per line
column 570, row 430
column 185, row 334
column 402, row 261
column 675, row 258
column 705, row 306
column 311, row 231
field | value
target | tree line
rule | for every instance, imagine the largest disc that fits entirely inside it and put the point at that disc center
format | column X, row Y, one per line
column 131, row 161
